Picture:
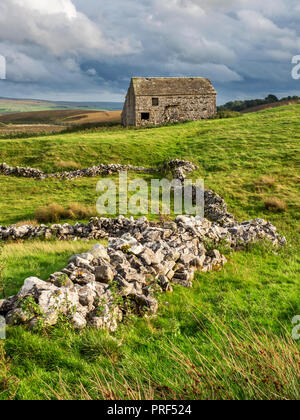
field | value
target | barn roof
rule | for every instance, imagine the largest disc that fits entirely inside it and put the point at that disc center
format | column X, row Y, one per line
column 159, row 86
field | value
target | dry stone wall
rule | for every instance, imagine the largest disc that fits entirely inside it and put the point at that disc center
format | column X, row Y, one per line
column 100, row 287
column 177, row 166
column 93, row 171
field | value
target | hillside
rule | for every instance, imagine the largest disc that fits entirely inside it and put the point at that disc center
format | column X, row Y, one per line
column 229, row 337
column 20, row 117
column 49, row 122
column 254, row 105
column 270, row 106
column 61, row 117
column 30, row 105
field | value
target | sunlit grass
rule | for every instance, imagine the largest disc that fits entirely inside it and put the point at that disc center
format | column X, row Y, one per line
column 230, row 337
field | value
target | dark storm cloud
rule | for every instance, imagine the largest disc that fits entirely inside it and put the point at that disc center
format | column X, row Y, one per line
column 89, row 49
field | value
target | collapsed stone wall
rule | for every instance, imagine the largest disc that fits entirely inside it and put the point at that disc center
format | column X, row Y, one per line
column 178, row 167
column 93, row 171
column 103, row 228
column 215, row 210
column 100, row 287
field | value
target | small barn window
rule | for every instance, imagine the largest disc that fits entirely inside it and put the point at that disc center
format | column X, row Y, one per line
column 145, row 116
column 155, row 102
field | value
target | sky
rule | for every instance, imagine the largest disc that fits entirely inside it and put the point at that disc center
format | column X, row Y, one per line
column 87, row 50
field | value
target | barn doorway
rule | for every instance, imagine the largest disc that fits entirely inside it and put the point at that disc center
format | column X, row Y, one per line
column 145, row 116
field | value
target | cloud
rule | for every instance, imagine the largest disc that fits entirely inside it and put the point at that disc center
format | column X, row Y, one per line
column 57, row 27
column 65, row 7
column 92, row 72
column 87, row 47
column 46, row 43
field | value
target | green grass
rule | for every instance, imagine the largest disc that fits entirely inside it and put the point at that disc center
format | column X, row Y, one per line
column 230, row 337
column 231, row 155
column 249, row 142
column 38, row 258
column 234, row 324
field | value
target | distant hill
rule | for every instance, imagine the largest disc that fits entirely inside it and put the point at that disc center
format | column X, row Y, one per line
column 254, row 105
column 12, row 105
column 54, row 121
column 61, row 117
column 271, row 105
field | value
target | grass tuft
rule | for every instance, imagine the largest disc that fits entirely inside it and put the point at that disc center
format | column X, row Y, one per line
column 267, row 181
column 275, row 205
column 66, row 165
column 27, row 223
column 55, row 212
column 8, row 382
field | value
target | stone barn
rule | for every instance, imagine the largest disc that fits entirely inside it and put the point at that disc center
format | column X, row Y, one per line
column 158, row 100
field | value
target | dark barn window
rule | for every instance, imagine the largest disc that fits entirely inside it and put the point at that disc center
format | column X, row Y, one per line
column 155, row 102
column 145, row 116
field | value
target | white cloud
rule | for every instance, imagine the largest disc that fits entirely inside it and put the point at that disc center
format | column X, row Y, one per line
column 65, row 7
column 91, row 72
column 58, row 27
column 91, row 45
column 186, row 8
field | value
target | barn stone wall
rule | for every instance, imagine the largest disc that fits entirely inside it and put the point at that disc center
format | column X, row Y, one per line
column 175, row 109
column 128, row 114
column 169, row 109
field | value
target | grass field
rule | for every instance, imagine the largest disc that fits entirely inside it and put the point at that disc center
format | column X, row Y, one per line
column 230, row 337
column 61, row 117
column 26, row 118
column 28, row 124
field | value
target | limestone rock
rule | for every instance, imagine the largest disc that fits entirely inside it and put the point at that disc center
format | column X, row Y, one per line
column 104, row 274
